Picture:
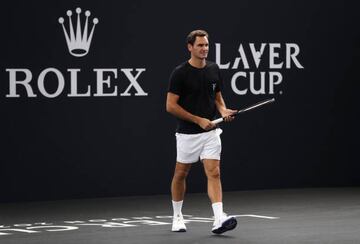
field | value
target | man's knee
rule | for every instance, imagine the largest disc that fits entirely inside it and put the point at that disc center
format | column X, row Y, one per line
column 213, row 172
column 181, row 172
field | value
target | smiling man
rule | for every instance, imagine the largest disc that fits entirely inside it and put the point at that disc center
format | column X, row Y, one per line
column 194, row 97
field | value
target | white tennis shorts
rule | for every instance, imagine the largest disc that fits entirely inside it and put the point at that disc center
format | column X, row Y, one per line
column 191, row 147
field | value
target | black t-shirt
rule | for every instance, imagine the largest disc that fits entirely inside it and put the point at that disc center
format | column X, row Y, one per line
column 196, row 88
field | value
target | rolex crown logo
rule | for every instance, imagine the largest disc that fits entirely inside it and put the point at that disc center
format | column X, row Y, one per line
column 78, row 43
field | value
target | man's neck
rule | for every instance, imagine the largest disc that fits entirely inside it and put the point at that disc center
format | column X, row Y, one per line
column 197, row 63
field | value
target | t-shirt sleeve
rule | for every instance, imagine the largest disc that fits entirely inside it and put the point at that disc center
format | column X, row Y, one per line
column 175, row 83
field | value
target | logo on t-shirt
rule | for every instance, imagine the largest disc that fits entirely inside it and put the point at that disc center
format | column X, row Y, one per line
column 214, row 86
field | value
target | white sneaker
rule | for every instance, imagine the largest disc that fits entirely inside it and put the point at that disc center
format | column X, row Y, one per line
column 225, row 223
column 178, row 224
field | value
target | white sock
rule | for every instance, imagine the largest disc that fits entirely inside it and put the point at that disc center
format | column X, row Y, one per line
column 218, row 210
column 177, row 206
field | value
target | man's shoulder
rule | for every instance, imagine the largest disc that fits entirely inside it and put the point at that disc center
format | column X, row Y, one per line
column 212, row 65
column 180, row 69
column 182, row 66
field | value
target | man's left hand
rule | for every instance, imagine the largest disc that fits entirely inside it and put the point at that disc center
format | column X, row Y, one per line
column 227, row 115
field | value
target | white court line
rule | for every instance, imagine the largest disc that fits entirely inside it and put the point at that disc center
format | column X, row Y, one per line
column 241, row 215
column 256, row 216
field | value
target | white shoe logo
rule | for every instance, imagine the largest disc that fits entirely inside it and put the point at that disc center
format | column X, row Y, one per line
column 78, row 43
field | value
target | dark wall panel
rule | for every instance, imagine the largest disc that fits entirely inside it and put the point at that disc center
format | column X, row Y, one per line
column 96, row 125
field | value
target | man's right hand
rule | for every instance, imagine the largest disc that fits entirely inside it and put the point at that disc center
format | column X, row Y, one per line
column 205, row 123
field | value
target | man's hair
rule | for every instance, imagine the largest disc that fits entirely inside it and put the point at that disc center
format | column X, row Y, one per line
column 190, row 39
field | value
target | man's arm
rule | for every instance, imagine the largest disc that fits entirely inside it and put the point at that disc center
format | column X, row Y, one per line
column 175, row 109
column 221, row 107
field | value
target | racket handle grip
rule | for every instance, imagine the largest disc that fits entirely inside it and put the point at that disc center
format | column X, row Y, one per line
column 217, row 121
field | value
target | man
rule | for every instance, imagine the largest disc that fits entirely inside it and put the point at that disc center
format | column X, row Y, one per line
column 194, row 95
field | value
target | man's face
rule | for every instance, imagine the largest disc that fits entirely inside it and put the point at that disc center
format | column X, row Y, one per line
column 200, row 48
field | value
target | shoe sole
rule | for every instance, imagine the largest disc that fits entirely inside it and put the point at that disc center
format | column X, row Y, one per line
column 229, row 224
column 180, row 230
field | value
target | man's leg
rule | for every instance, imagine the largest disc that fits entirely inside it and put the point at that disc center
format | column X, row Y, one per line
column 178, row 184
column 212, row 171
column 178, row 188
column 222, row 223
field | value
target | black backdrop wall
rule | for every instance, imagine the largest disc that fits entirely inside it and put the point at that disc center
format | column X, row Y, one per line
column 96, row 125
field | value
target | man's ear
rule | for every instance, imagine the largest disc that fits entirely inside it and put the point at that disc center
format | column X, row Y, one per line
column 189, row 46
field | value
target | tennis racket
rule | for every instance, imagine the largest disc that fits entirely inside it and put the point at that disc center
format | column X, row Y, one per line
column 267, row 101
